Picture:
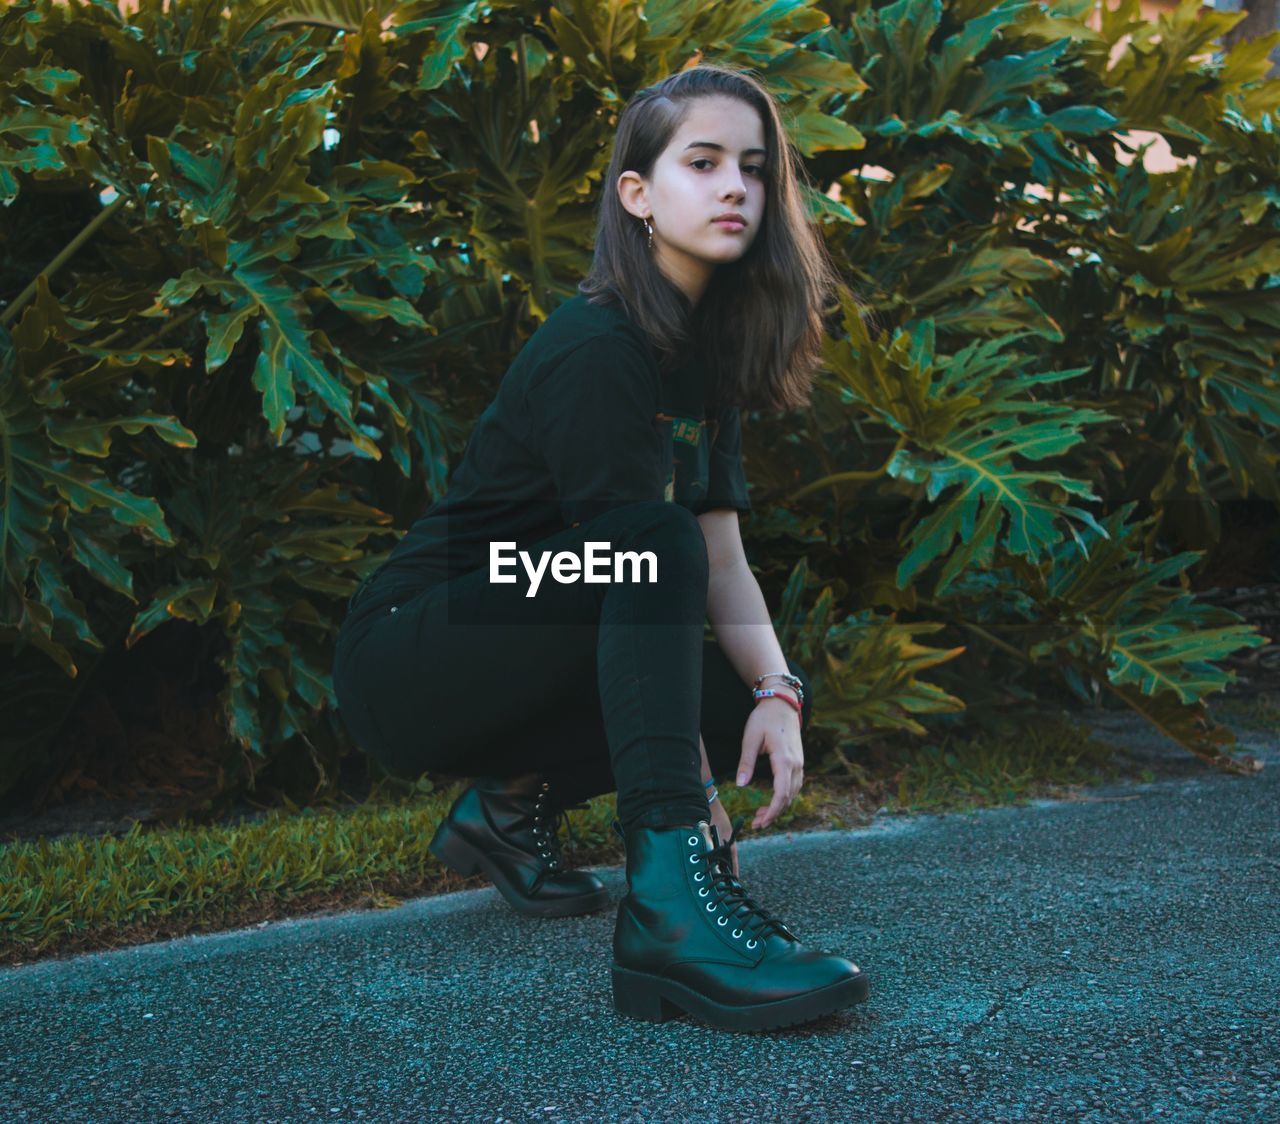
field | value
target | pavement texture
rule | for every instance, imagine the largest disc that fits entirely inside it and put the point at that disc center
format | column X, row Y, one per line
column 1111, row 958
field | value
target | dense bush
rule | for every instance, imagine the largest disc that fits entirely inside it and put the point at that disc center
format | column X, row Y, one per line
column 263, row 264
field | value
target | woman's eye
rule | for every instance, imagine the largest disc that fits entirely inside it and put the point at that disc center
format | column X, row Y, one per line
column 755, row 168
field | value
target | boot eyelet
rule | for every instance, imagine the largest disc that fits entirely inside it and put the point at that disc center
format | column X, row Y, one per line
column 693, row 858
column 693, row 841
column 752, row 944
column 699, row 876
column 722, row 921
column 711, row 907
column 737, row 932
column 703, row 892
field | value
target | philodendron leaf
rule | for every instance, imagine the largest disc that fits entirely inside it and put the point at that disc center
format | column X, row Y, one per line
column 865, row 666
column 278, row 122
column 965, row 418
column 256, row 640
column 41, row 487
column 65, row 606
column 1157, row 638
column 1107, row 616
column 344, row 14
column 190, row 600
column 369, row 308
column 37, row 481
column 225, row 329
column 84, row 488
column 100, row 560
column 93, row 436
column 288, row 353
column 1082, row 120
column 34, row 139
column 868, row 671
column 1172, row 651
column 1191, row 727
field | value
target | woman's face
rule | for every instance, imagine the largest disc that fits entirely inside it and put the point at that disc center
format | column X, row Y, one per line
column 714, row 163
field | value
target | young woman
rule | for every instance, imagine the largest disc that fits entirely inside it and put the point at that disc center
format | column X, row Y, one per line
column 616, row 429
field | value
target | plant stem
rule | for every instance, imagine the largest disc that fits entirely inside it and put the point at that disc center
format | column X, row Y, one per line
column 845, row 477
column 70, row 248
column 1002, row 645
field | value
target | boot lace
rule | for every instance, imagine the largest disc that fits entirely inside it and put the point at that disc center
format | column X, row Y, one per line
column 546, row 827
column 742, row 910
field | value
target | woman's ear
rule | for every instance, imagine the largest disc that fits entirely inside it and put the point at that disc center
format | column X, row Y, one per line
column 633, row 194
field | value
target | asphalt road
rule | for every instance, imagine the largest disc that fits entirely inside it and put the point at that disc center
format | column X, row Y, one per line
column 1114, row 958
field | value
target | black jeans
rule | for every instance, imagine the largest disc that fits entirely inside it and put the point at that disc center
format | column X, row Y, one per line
column 598, row 687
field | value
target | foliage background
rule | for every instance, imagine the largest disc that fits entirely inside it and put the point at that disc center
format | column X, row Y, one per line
column 262, row 265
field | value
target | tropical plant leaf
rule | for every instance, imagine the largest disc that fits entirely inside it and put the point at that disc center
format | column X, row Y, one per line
column 865, row 667
column 969, row 417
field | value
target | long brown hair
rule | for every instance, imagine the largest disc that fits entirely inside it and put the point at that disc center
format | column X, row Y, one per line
column 757, row 329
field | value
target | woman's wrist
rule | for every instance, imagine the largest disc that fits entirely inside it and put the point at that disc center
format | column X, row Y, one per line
column 706, row 765
column 792, row 700
column 782, row 704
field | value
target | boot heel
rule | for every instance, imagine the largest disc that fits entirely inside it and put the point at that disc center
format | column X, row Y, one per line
column 454, row 851
column 636, row 996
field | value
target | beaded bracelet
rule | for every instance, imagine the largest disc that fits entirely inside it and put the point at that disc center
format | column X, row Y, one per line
column 770, row 693
column 786, row 677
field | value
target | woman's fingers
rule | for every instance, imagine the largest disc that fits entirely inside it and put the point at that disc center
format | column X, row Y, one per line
column 780, row 800
column 784, row 791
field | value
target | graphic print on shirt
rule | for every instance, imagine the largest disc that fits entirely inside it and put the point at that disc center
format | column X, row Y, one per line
column 690, row 442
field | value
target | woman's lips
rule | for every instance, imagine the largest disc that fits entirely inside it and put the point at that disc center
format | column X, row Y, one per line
column 730, row 224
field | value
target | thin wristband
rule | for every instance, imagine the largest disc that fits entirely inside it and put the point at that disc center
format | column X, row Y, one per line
column 774, row 692
column 770, row 693
column 708, row 784
column 791, row 681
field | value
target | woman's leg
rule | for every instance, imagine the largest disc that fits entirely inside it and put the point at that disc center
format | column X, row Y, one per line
column 466, row 670
column 572, row 744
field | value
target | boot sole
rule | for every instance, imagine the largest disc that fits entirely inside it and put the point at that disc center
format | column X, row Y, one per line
column 655, row 999
column 462, row 858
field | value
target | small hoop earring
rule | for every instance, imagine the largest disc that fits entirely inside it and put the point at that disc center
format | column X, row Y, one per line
column 650, row 230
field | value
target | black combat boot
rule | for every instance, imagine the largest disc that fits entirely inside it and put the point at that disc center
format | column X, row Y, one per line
column 689, row 939
column 507, row 829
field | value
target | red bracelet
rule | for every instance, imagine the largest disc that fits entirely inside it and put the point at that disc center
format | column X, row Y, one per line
column 769, row 693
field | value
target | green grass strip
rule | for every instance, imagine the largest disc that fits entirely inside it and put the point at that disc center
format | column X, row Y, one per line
column 52, row 892
column 162, row 881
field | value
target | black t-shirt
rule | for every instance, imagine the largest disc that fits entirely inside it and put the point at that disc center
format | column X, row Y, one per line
column 583, row 421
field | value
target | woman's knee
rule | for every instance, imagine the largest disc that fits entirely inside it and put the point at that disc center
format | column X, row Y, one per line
column 668, row 527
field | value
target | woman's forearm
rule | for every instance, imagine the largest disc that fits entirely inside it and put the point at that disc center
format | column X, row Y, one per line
column 740, row 619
